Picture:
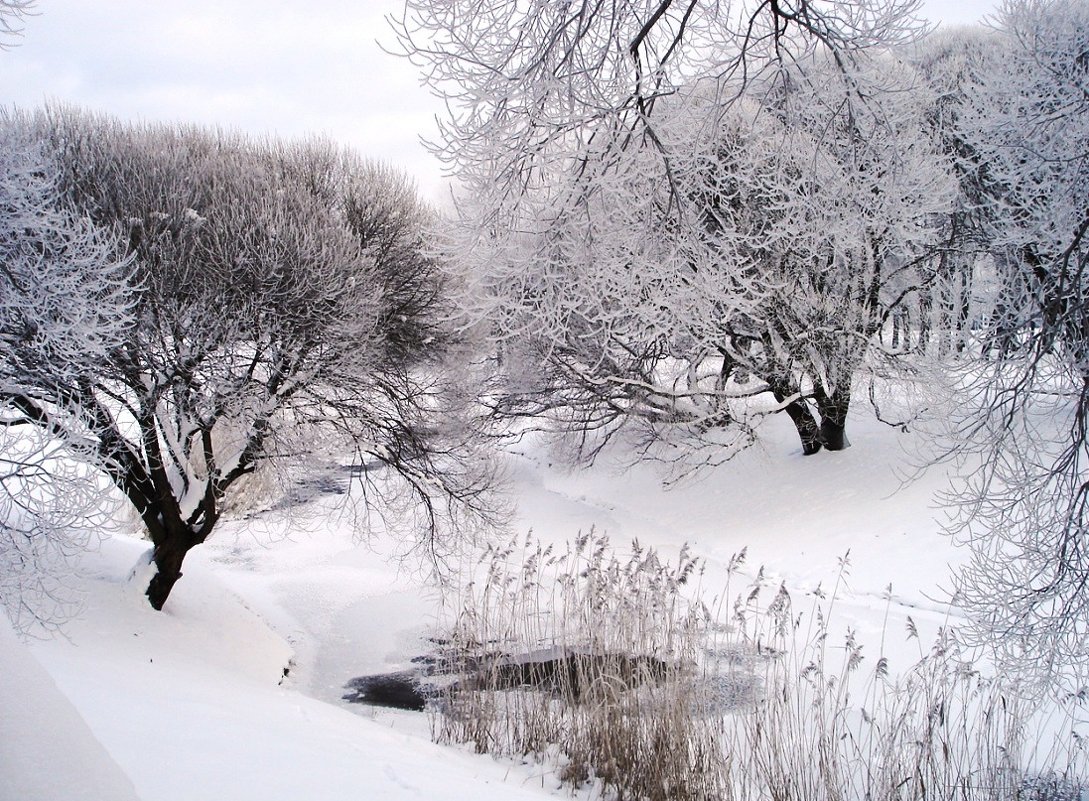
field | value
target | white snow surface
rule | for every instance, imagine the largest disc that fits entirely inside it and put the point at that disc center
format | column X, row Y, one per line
column 48, row 752
column 193, row 702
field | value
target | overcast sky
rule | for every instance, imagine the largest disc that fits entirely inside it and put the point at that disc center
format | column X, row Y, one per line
column 286, row 67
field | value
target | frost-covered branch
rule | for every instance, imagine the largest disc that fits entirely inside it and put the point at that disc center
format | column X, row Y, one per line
column 64, row 303
column 1023, row 509
column 653, row 262
column 277, row 291
column 12, row 13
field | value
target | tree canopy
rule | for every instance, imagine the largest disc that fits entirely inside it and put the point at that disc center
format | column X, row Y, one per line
column 275, row 289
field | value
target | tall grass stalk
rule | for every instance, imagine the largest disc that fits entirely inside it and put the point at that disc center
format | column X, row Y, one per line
column 616, row 671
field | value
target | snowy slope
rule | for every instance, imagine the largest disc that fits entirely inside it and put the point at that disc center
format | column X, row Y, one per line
column 193, row 702
column 48, row 752
column 188, row 703
column 797, row 517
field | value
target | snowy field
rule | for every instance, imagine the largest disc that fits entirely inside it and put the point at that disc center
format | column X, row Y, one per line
column 686, row 215
column 194, row 703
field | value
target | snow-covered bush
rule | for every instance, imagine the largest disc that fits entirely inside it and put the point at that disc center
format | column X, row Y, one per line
column 64, row 303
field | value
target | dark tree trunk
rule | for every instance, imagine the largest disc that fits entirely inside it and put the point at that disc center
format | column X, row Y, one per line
column 946, row 308
column 800, row 414
column 964, row 315
column 833, row 411
column 168, row 556
column 803, row 420
column 172, row 538
column 925, row 311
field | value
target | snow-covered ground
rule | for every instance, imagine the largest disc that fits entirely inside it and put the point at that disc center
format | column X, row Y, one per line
column 194, row 703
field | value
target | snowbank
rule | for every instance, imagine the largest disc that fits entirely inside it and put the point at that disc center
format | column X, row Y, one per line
column 193, row 702
column 189, row 702
column 47, row 751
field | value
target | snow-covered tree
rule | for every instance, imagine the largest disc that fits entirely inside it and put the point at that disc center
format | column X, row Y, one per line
column 674, row 209
column 278, row 289
column 1025, row 402
column 949, row 302
column 64, row 303
column 828, row 208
